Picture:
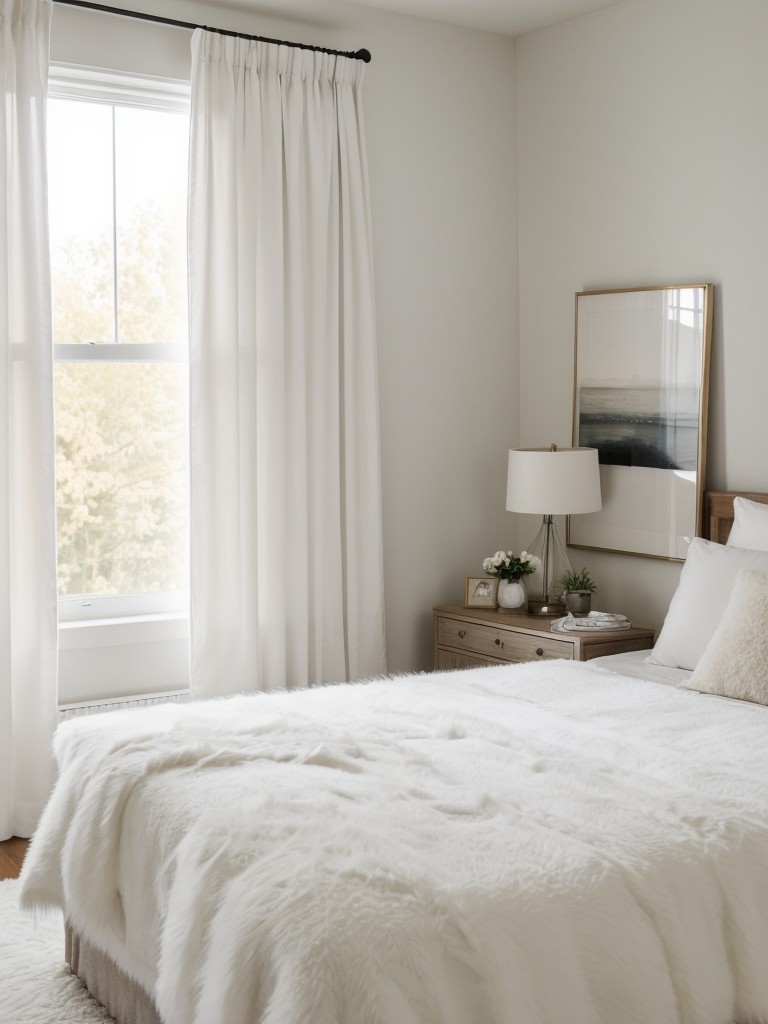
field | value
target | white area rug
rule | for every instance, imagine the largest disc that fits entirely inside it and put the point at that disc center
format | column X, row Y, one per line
column 36, row 986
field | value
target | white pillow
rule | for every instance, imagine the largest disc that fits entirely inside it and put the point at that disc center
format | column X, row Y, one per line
column 700, row 599
column 750, row 525
column 735, row 663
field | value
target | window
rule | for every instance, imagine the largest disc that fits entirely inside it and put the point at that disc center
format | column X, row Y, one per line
column 117, row 172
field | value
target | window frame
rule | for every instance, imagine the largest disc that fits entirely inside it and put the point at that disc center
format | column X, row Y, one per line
column 90, row 85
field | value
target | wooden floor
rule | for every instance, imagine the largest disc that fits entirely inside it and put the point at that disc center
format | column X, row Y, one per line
column 12, row 853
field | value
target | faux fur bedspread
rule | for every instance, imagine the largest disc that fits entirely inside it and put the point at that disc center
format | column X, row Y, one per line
column 537, row 844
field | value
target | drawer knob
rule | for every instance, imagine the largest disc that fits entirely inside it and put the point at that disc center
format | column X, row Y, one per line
column 462, row 634
column 539, row 651
column 499, row 643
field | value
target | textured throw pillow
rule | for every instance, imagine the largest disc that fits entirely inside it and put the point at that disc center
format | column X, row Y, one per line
column 700, row 599
column 735, row 663
column 750, row 525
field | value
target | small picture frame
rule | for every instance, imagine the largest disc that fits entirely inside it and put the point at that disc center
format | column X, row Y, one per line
column 480, row 591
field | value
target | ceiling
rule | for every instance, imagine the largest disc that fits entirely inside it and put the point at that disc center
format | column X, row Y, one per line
column 512, row 17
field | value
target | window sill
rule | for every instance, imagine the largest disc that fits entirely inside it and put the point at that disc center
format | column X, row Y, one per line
column 123, row 629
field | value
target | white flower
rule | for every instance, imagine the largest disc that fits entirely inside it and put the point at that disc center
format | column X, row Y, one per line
column 488, row 564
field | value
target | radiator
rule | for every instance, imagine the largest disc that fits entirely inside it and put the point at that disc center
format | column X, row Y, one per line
column 96, row 707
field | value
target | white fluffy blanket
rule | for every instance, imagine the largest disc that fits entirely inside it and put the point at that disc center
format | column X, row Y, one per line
column 536, row 844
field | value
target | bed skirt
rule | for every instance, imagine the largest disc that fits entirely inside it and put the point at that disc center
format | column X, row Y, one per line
column 124, row 998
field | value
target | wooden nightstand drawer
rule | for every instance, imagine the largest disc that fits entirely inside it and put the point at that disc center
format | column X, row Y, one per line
column 455, row 659
column 497, row 643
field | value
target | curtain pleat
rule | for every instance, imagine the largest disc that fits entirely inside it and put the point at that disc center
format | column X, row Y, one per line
column 28, row 701
column 287, row 580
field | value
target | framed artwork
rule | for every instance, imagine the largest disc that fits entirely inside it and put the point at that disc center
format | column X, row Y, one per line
column 641, row 389
column 480, row 591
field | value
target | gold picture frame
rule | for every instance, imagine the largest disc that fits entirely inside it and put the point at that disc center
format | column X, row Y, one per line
column 641, row 391
column 481, row 591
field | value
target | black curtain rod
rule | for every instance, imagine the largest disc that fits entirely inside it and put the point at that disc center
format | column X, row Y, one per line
column 364, row 55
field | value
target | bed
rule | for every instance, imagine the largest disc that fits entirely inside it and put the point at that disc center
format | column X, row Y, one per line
column 534, row 843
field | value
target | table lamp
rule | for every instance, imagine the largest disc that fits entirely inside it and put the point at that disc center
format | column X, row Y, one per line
column 551, row 482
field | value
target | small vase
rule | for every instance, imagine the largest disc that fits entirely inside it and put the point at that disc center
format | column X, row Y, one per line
column 511, row 595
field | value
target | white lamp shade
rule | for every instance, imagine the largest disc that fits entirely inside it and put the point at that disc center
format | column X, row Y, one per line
column 564, row 482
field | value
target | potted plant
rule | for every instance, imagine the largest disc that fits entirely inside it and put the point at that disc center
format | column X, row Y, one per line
column 510, row 569
column 578, row 588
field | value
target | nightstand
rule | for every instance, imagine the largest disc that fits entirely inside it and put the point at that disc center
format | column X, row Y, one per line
column 466, row 637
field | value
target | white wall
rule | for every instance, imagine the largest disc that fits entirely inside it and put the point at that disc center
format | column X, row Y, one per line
column 643, row 159
column 440, row 117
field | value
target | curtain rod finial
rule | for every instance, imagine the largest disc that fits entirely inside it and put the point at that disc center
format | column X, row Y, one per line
column 363, row 55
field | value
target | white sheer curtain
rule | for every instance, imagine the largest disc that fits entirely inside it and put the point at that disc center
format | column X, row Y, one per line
column 27, row 510
column 286, row 505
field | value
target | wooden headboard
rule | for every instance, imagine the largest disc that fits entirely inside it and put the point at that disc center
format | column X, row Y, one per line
column 718, row 512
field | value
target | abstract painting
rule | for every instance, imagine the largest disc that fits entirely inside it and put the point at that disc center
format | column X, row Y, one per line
column 640, row 398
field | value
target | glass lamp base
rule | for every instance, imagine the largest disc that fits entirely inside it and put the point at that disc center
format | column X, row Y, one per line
column 552, row 609
column 543, row 586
